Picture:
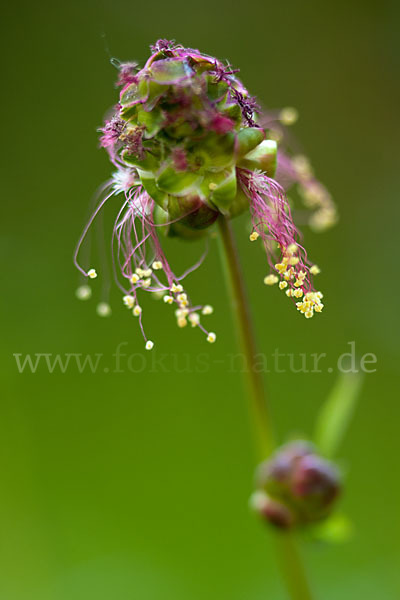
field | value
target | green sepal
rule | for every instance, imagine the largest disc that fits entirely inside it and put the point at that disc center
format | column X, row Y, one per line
column 128, row 113
column 191, row 211
column 135, row 93
column 174, row 182
column 161, row 217
column 224, row 194
column 263, row 157
column 239, row 205
column 216, row 90
column 211, row 179
column 180, row 129
column 215, row 152
column 155, row 92
column 175, row 230
column 233, row 112
column 185, row 233
column 248, row 138
column 170, row 71
column 148, row 163
column 152, row 120
column 149, row 183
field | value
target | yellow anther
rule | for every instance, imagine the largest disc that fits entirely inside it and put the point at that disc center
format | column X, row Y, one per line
column 181, row 297
column 310, row 303
column 149, row 345
column 103, row 309
column 289, row 292
column 288, row 115
column 137, row 311
column 289, row 274
column 254, row 236
column 146, row 282
column 135, row 278
column 315, row 270
column 92, row 273
column 207, row 310
column 212, row 186
column 271, row 279
column 211, row 337
column 303, row 306
column 129, row 301
column 282, row 285
column 83, row 292
column 168, row 299
column 281, row 267
column 176, row 289
column 157, row 265
column 311, row 296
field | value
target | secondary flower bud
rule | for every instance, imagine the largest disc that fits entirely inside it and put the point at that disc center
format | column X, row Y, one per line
column 296, row 486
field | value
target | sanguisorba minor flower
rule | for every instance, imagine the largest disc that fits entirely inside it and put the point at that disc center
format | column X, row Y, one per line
column 188, row 144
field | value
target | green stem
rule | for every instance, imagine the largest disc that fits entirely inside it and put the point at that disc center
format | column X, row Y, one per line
column 292, row 568
column 288, row 555
column 260, row 417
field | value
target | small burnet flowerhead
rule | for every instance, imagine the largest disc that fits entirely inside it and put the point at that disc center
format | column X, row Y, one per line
column 296, row 486
column 189, row 143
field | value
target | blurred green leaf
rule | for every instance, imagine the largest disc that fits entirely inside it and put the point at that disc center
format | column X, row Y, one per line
column 336, row 413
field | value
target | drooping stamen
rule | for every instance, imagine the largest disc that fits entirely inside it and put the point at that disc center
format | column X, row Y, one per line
column 139, row 258
column 88, row 226
column 272, row 222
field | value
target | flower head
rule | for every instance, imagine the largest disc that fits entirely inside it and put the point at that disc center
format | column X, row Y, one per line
column 295, row 486
column 189, row 143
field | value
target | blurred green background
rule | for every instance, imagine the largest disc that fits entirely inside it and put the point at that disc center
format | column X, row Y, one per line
column 135, row 485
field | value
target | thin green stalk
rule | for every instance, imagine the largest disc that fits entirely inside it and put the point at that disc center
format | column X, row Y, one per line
column 292, row 568
column 260, row 417
column 288, row 555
